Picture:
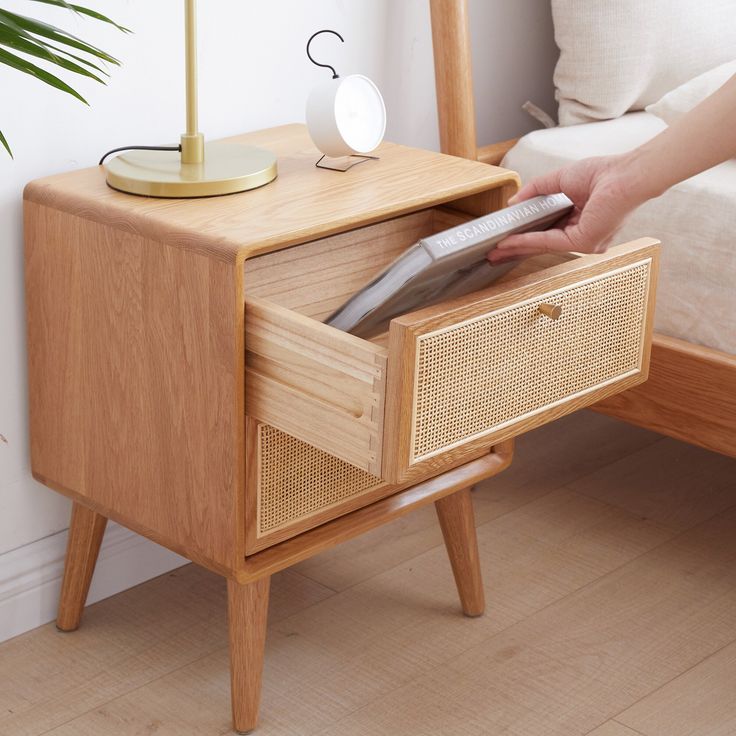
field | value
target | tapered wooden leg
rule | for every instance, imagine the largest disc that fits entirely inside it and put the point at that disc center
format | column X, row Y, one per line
column 85, row 537
column 247, row 614
column 457, row 521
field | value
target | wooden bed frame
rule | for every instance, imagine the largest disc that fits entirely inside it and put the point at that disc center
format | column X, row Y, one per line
column 691, row 391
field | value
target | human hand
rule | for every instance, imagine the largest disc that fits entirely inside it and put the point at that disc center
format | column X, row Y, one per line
column 602, row 197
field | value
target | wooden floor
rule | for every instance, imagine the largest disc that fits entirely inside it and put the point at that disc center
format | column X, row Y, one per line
column 609, row 556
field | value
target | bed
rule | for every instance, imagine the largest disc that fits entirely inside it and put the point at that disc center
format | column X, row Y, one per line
column 696, row 221
column 691, row 391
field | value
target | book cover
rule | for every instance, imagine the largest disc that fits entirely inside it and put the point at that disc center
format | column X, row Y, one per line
column 443, row 266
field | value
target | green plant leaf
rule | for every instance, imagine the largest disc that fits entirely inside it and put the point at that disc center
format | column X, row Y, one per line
column 55, row 34
column 13, row 28
column 86, row 62
column 5, row 144
column 32, row 37
column 23, row 65
column 41, row 51
column 81, row 10
column 85, row 11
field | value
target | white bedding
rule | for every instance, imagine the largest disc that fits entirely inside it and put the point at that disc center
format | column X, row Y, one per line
column 695, row 220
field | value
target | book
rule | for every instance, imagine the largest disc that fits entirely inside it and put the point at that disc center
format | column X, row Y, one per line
column 449, row 264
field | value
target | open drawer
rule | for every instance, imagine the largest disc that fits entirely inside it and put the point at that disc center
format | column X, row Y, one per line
column 448, row 380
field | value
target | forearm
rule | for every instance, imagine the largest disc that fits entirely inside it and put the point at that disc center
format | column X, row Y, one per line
column 704, row 137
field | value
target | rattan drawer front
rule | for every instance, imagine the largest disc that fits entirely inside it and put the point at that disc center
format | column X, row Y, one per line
column 501, row 362
column 500, row 368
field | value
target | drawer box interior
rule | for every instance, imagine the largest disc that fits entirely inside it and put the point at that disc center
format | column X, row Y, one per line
column 317, row 383
column 449, row 379
column 315, row 278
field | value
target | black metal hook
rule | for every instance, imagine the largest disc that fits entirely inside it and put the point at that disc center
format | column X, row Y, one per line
column 335, row 75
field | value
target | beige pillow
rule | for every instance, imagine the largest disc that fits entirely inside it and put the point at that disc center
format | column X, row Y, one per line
column 621, row 55
column 685, row 97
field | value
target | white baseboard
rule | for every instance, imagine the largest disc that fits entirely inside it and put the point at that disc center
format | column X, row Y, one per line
column 30, row 576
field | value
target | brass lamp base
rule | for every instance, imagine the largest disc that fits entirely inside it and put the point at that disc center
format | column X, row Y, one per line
column 227, row 168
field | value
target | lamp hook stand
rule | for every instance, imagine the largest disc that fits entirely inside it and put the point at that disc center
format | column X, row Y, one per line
column 335, row 75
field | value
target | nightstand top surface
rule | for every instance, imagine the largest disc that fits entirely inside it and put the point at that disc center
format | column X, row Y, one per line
column 303, row 203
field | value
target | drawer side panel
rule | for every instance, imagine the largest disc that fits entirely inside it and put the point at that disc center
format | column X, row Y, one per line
column 316, row 383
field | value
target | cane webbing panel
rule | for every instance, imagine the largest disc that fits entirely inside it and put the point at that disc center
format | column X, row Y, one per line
column 489, row 371
column 297, row 479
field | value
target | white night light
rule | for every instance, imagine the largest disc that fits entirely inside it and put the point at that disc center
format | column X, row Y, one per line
column 345, row 115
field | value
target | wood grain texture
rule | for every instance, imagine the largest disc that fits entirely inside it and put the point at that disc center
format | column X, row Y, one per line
column 613, row 728
column 128, row 643
column 494, row 153
column 406, row 330
column 136, row 328
column 700, row 702
column 247, row 616
column 581, row 660
column 690, row 395
column 452, row 52
column 689, row 484
column 302, row 204
column 316, row 278
column 385, row 655
column 457, row 521
column 135, row 362
column 86, row 530
column 319, row 384
column 453, row 77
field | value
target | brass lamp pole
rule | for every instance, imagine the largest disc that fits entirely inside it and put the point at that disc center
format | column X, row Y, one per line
column 200, row 169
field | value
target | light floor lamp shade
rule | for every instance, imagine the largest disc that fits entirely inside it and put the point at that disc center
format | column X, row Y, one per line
column 198, row 169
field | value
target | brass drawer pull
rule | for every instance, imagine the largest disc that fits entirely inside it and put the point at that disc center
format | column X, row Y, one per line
column 553, row 311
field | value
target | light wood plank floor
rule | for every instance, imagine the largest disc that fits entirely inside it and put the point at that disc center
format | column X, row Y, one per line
column 609, row 556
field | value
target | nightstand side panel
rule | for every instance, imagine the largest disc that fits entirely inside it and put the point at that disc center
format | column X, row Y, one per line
column 136, row 376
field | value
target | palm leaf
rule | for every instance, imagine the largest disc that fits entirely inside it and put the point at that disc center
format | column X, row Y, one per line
column 34, row 38
column 85, row 11
column 44, row 30
column 23, row 65
column 41, row 51
column 13, row 28
column 86, row 62
column 5, row 144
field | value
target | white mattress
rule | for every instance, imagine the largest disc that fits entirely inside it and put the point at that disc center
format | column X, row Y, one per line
column 695, row 220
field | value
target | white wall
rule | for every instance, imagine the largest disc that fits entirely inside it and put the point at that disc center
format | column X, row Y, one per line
column 253, row 74
column 514, row 54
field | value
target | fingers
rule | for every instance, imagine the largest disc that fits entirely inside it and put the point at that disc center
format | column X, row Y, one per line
column 496, row 257
column 543, row 241
column 544, row 184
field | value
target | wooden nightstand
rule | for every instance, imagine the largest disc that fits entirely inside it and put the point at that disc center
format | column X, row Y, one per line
column 182, row 383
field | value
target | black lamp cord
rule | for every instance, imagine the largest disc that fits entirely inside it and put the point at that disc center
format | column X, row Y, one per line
column 139, row 148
